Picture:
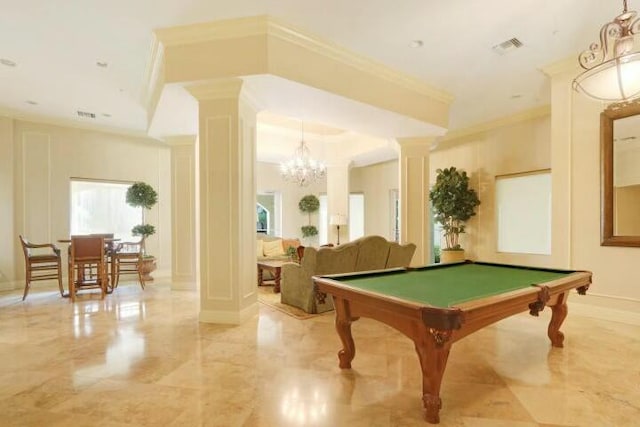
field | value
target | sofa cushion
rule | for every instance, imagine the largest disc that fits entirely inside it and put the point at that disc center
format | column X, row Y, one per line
column 273, row 248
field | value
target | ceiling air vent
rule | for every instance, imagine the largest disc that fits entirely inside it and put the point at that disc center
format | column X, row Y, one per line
column 507, row 46
column 86, row 114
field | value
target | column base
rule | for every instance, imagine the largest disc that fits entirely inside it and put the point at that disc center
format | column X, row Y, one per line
column 229, row 317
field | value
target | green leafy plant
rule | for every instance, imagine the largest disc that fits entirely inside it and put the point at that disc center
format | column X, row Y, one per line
column 453, row 204
column 309, row 204
column 142, row 195
column 292, row 253
column 309, row 230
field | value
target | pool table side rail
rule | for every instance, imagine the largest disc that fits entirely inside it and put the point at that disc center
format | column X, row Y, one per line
column 442, row 318
column 477, row 313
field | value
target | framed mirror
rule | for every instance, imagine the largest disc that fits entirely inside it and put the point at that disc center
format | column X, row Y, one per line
column 620, row 175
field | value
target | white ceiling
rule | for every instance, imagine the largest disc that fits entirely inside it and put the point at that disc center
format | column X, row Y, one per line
column 56, row 45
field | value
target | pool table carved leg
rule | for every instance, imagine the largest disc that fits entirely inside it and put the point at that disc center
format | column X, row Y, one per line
column 433, row 355
column 558, row 314
column 343, row 326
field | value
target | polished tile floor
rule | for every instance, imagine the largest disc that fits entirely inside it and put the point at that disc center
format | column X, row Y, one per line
column 141, row 358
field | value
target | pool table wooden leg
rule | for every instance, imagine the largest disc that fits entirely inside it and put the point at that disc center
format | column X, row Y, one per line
column 558, row 314
column 433, row 353
column 343, row 326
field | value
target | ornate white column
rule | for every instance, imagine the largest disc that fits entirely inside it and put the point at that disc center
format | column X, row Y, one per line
column 183, row 212
column 415, row 224
column 225, row 225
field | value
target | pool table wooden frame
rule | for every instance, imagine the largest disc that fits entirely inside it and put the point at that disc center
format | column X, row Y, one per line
column 434, row 329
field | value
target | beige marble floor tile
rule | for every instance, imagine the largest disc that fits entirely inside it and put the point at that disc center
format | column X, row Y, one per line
column 142, row 358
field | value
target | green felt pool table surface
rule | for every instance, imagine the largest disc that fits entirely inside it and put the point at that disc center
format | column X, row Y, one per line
column 450, row 285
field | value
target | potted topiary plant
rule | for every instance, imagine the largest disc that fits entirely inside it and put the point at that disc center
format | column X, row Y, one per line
column 453, row 204
column 143, row 195
column 309, row 204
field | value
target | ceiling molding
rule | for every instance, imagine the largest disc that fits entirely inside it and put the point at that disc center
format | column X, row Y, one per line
column 269, row 26
column 332, row 50
column 154, row 79
column 180, row 140
column 73, row 124
column 214, row 30
column 497, row 123
column 567, row 65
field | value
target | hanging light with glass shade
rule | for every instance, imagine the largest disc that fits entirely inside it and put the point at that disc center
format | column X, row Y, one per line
column 302, row 169
column 612, row 67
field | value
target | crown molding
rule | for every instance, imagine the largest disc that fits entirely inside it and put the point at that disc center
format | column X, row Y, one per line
column 180, row 140
column 497, row 123
column 215, row 30
column 153, row 80
column 269, row 26
column 567, row 65
column 67, row 123
column 332, row 50
column 216, row 89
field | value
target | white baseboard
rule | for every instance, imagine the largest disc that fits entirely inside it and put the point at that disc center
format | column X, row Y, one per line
column 606, row 307
column 229, row 317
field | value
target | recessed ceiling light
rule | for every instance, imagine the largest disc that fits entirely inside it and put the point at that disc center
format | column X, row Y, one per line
column 102, row 64
column 106, row 115
column 7, row 62
column 416, row 44
column 31, row 102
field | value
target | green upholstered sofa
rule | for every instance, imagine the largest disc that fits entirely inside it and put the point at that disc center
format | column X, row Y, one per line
column 364, row 254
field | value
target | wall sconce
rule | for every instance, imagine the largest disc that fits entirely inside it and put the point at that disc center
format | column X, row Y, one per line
column 338, row 220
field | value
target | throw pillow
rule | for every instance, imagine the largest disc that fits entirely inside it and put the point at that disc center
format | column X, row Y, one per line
column 290, row 242
column 260, row 248
column 273, row 248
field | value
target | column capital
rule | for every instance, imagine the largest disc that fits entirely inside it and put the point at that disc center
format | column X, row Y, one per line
column 216, row 89
column 417, row 145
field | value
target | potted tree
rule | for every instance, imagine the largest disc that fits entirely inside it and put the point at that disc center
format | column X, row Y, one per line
column 453, row 204
column 143, row 195
column 309, row 204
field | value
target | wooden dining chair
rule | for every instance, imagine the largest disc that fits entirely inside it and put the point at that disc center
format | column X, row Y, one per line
column 109, row 248
column 127, row 259
column 87, row 265
column 42, row 261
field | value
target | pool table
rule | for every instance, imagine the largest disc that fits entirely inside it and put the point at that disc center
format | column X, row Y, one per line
column 439, row 304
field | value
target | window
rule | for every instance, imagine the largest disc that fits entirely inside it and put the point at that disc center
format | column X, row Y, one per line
column 356, row 215
column 394, row 215
column 523, row 206
column 101, row 207
column 268, row 213
column 323, row 220
column 355, row 218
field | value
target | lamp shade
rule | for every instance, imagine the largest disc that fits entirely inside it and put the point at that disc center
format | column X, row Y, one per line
column 338, row 219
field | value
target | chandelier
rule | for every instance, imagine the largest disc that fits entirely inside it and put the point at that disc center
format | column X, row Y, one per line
column 612, row 67
column 302, row 169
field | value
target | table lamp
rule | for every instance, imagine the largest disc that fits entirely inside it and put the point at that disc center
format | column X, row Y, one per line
column 338, row 220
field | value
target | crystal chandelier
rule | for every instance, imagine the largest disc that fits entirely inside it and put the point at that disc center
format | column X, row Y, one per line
column 612, row 66
column 302, row 169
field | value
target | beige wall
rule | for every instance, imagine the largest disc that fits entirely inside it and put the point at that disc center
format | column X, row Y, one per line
column 46, row 157
column 616, row 278
column 7, row 235
column 376, row 182
column 514, row 148
column 269, row 180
